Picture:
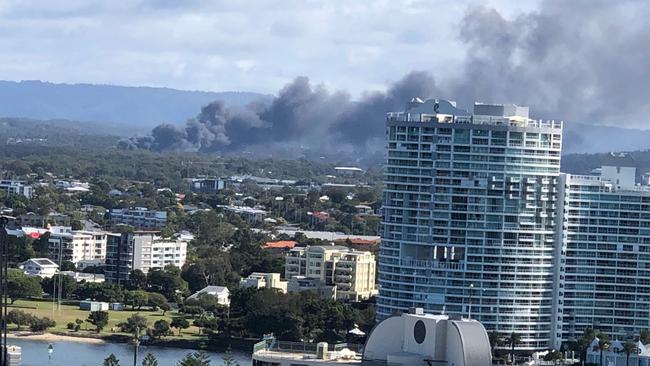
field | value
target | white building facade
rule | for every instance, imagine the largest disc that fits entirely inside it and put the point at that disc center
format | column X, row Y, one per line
column 351, row 272
column 76, row 246
column 469, row 216
column 605, row 282
column 159, row 253
column 139, row 217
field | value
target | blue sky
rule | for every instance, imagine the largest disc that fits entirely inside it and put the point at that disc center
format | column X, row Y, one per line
column 235, row 45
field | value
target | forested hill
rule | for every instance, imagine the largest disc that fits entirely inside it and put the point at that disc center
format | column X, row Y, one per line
column 587, row 138
column 584, row 163
column 143, row 106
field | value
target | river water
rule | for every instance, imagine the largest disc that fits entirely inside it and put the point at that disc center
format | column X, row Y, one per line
column 68, row 353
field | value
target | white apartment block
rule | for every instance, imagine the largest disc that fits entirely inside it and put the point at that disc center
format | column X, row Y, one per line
column 139, row 217
column 469, row 216
column 159, row 253
column 75, row 246
column 604, row 280
column 351, row 272
column 16, row 187
column 260, row 280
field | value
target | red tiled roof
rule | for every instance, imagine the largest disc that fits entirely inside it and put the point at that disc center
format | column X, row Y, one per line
column 282, row 244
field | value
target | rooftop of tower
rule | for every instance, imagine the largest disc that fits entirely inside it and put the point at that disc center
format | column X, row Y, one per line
column 446, row 111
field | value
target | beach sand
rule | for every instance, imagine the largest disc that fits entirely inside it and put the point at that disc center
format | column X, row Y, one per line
column 49, row 337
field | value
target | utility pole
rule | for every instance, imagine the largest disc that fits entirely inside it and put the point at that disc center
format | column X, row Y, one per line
column 136, row 343
column 4, row 253
column 471, row 292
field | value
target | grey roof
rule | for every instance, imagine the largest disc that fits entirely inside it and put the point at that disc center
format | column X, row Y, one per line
column 209, row 290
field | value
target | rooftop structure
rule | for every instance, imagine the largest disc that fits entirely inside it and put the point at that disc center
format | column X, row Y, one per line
column 409, row 339
column 42, row 267
column 220, row 292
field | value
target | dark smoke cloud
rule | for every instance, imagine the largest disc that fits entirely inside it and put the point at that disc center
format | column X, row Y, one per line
column 302, row 116
column 580, row 60
column 583, row 60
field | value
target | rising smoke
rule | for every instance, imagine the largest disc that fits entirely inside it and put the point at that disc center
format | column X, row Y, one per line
column 301, row 116
column 584, row 61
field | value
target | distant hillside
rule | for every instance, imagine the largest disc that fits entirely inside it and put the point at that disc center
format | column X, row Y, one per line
column 585, row 163
column 584, row 138
column 136, row 106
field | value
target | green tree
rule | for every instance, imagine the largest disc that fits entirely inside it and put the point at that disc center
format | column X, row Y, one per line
column 603, row 345
column 195, row 359
column 99, row 319
column 111, row 360
column 228, row 359
column 137, row 280
column 137, row 299
column 156, row 300
column 180, row 324
column 167, row 282
column 51, row 285
column 495, row 340
column 644, row 336
column 134, row 323
column 584, row 342
column 19, row 317
column 19, row 285
column 41, row 324
column 68, row 266
column 149, row 360
column 629, row 348
column 161, row 328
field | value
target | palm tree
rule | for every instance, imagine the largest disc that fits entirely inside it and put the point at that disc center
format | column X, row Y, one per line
column 111, row 360
column 513, row 339
column 603, row 344
column 584, row 342
column 629, row 347
column 495, row 340
column 644, row 336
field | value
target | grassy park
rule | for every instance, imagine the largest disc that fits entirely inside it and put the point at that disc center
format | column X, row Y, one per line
column 68, row 313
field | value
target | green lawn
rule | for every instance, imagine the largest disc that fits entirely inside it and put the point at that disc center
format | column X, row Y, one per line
column 69, row 313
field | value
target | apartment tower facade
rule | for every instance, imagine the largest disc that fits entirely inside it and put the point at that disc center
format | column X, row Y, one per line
column 469, row 217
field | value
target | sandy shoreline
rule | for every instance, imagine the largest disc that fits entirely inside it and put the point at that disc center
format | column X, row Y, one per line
column 49, row 337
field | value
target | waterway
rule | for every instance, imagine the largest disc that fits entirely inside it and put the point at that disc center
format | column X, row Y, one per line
column 67, row 353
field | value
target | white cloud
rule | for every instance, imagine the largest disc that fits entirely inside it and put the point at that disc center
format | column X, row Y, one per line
column 230, row 45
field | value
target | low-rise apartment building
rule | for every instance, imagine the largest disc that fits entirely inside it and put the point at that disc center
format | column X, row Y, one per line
column 351, row 272
column 140, row 218
column 264, row 280
column 75, row 246
column 16, row 187
column 31, row 219
column 143, row 250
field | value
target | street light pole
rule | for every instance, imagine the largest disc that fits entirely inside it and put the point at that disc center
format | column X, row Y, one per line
column 4, row 254
column 471, row 287
column 136, row 343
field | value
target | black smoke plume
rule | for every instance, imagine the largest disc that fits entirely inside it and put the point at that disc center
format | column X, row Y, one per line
column 302, row 116
column 582, row 61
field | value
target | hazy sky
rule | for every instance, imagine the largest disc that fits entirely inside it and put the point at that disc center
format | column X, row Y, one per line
column 235, row 45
